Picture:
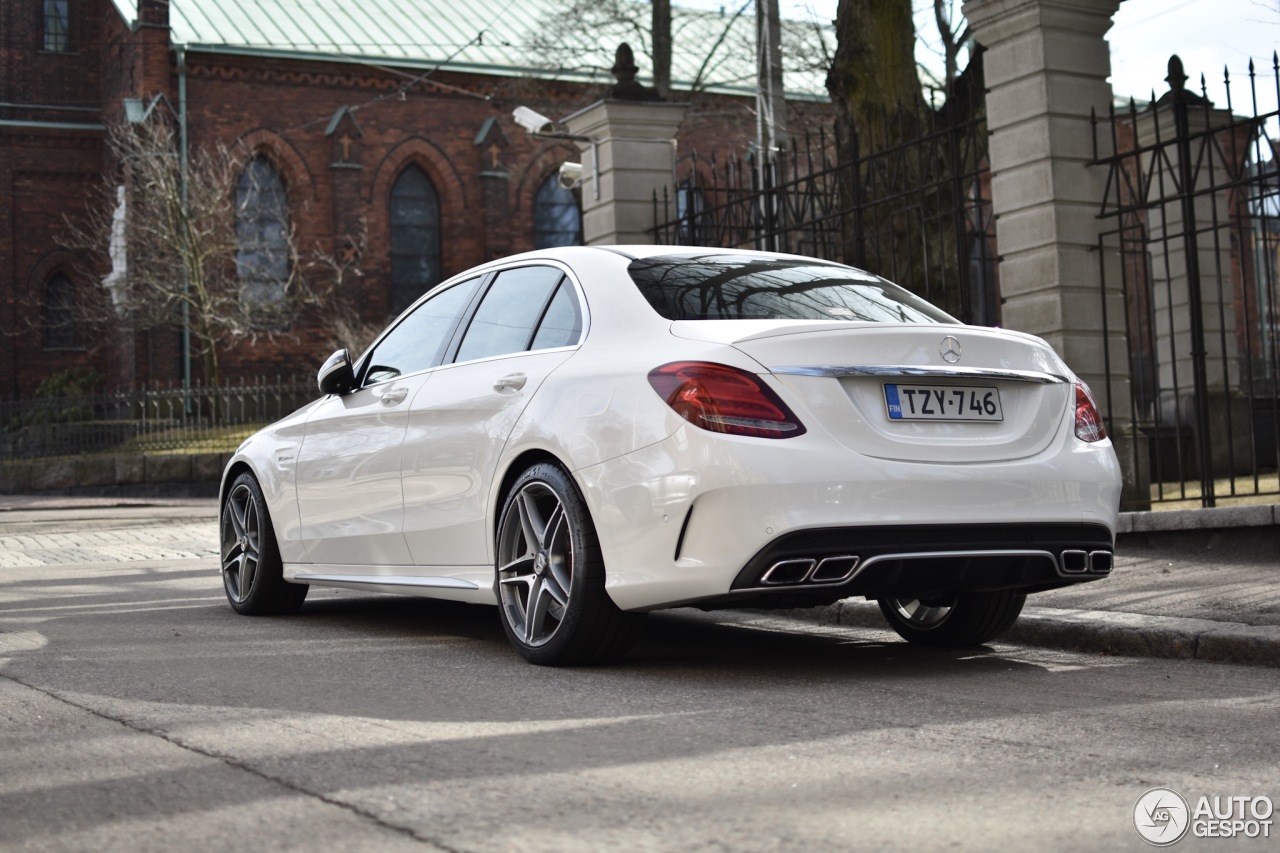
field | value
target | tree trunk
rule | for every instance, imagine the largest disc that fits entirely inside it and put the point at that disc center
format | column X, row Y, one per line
column 880, row 109
column 873, row 81
column 662, row 47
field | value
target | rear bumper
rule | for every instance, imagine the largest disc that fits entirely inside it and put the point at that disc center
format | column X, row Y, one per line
column 702, row 519
column 924, row 561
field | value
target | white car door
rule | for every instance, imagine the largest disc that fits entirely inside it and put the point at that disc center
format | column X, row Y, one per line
column 528, row 322
column 349, row 496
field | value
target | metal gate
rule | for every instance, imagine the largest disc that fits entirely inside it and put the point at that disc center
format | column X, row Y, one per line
column 1192, row 209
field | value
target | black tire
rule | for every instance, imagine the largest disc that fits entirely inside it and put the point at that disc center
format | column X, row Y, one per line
column 550, row 576
column 961, row 619
column 252, row 574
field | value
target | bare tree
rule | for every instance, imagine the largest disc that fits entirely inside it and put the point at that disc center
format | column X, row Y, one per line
column 207, row 248
column 574, row 36
column 953, row 39
column 336, row 304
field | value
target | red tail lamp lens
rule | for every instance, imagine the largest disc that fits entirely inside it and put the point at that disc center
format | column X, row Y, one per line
column 724, row 399
column 1088, row 419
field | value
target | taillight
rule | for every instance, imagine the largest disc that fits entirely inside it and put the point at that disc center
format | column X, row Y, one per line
column 725, row 399
column 1088, row 420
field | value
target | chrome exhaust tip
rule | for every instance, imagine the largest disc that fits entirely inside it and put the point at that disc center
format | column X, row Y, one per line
column 788, row 572
column 835, row 569
column 1100, row 562
column 1075, row 562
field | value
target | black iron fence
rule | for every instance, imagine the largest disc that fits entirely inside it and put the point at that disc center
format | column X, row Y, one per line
column 196, row 419
column 1192, row 209
column 917, row 212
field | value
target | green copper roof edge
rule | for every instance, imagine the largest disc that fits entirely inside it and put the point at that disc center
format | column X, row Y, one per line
column 463, row 68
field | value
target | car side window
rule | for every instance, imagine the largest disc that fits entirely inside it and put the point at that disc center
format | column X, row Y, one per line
column 561, row 326
column 420, row 339
column 505, row 321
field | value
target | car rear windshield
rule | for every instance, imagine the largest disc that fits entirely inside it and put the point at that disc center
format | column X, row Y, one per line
column 743, row 287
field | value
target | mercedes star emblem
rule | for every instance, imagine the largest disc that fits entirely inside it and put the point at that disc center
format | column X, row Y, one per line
column 950, row 350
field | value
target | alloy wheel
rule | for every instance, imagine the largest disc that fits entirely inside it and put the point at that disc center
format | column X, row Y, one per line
column 535, row 563
column 922, row 615
column 241, row 529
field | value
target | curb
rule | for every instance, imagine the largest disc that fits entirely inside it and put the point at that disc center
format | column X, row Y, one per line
column 1103, row 632
column 1211, row 518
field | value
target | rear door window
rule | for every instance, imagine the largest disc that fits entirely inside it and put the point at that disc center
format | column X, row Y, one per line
column 561, row 325
column 519, row 305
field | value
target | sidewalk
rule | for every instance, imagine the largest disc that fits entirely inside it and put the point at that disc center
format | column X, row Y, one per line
column 44, row 501
column 1201, row 584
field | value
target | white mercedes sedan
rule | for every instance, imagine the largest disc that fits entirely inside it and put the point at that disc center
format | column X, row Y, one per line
column 583, row 435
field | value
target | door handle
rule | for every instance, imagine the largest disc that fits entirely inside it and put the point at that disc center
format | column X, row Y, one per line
column 392, row 396
column 510, row 382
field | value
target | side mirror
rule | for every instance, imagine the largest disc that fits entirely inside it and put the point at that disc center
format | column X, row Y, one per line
column 336, row 376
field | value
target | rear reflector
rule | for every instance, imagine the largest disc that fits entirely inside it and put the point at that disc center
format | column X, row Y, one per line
column 720, row 398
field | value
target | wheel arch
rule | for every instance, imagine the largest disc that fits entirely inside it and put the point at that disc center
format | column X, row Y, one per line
column 235, row 469
column 517, row 466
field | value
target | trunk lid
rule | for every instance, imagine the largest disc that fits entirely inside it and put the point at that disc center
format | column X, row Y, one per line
column 923, row 393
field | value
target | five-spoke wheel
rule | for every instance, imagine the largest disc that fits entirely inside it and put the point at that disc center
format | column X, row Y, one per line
column 241, row 523
column 251, row 569
column 550, row 575
column 535, row 563
column 957, row 619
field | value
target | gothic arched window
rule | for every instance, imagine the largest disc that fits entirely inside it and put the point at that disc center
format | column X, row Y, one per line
column 415, row 237
column 59, row 313
column 557, row 221
column 262, row 233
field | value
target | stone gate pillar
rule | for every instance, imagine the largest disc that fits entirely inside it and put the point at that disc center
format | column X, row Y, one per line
column 1046, row 67
column 628, row 152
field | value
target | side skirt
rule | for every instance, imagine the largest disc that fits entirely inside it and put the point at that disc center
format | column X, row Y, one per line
column 450, row 588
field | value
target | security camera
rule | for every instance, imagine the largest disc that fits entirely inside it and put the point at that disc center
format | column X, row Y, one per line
column 532, row 121
column 570, row 175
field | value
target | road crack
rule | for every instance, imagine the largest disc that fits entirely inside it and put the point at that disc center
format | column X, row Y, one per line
column 231, row 761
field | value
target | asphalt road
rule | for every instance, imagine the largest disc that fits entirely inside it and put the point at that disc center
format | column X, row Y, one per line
column 138, row 712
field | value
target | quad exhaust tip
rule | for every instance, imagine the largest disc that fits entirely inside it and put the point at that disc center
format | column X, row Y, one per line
column 804, row 570
column 1076, row 562
column 834, row 570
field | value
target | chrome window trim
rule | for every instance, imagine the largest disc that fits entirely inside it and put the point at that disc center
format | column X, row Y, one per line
column 484, row 273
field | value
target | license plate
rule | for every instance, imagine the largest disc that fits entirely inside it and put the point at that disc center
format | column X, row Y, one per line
column 942, row 403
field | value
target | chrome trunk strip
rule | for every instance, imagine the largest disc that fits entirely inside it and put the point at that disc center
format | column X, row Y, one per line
column 840, row 371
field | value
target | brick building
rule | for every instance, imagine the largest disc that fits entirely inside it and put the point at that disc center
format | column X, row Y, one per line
column 385, row 120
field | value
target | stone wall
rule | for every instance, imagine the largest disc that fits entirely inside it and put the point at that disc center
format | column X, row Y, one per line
column 128, row 471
